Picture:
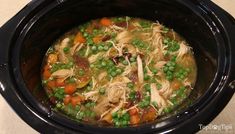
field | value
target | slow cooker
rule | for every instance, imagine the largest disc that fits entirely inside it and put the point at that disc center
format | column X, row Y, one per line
column 25, row 38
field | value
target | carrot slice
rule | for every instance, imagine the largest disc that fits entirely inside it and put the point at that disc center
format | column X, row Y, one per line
column 97, row 39
column 67, row 99
column 76, row 100
column 149, row 114
column 60, row 82
column 105, row 22
column 79, row 38
column 133, row 111
column 51, row 84
column 134, row 119
column 70, row 88
column 175, row 85
column 46, row 72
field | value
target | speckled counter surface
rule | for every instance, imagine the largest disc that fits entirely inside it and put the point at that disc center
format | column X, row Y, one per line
column 10, row 123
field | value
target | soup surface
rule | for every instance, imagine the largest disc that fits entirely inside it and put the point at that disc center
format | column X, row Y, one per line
column 118, row 71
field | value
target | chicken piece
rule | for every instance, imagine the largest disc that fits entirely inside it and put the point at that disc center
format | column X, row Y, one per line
column 102, row 106
column 140, row 69
column 156, row 97
column 62, row 56
column 63, row 73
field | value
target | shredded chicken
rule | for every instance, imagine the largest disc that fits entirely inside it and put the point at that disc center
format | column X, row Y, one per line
column 118, row 107
column 124, row 37
column 156, row 97
column 102, row 107
column 62, row 56
column 160, row 64
column 76, row 48
column 87, row 51
column 93, row 58
column 140, row 70
column 184, row 49
column 115, row 92
column 63, row 73
column 131, row 49
column 92, row 95
column 102, row 75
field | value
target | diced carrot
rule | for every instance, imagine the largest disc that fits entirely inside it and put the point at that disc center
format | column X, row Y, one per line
column 149, row 114
column 51, row 84
column 134, row 119
column 60, row 82
column 70, row 88
column 67, row 99
column 175, row 85
column 52, row 58
column 105, row 22
column 76, row 100
column 97, row 39
column 79, row 38
column 133, row 111
column 46, row 72
column 90, row 29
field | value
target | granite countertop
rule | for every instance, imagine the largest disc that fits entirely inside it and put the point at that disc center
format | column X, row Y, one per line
column 10, row 123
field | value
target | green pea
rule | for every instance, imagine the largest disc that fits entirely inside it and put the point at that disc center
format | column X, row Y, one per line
column 170, row 77
column 167, row 110
column 93, row 48
column 119, row 71
column 165, row 68
column 58, row 105
column 130, row 85
column 85, row 34
column 87, row 104
column 114, row 115
column 171, row 68
column 100, row 48
column 169, row 73
column 154, row 71
column 92, row 65
column 146, row 77
column 66, row 49
column 147, row 87
column 71, row 80
column 102, row 91
column 81, row 72
column 132, row 59
column 113, row 74
column 146, row 103
column 110, row 63
column 125, row 62
column 141, row 104
column 90, row 42
column 103, row 63
column 106, row 48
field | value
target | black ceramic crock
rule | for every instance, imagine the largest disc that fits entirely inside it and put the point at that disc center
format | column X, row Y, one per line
column 25, row 38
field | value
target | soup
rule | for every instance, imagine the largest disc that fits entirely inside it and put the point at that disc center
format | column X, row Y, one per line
column 118, row 71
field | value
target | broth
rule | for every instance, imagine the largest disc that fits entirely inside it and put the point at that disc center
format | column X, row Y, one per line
column 119, row 71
